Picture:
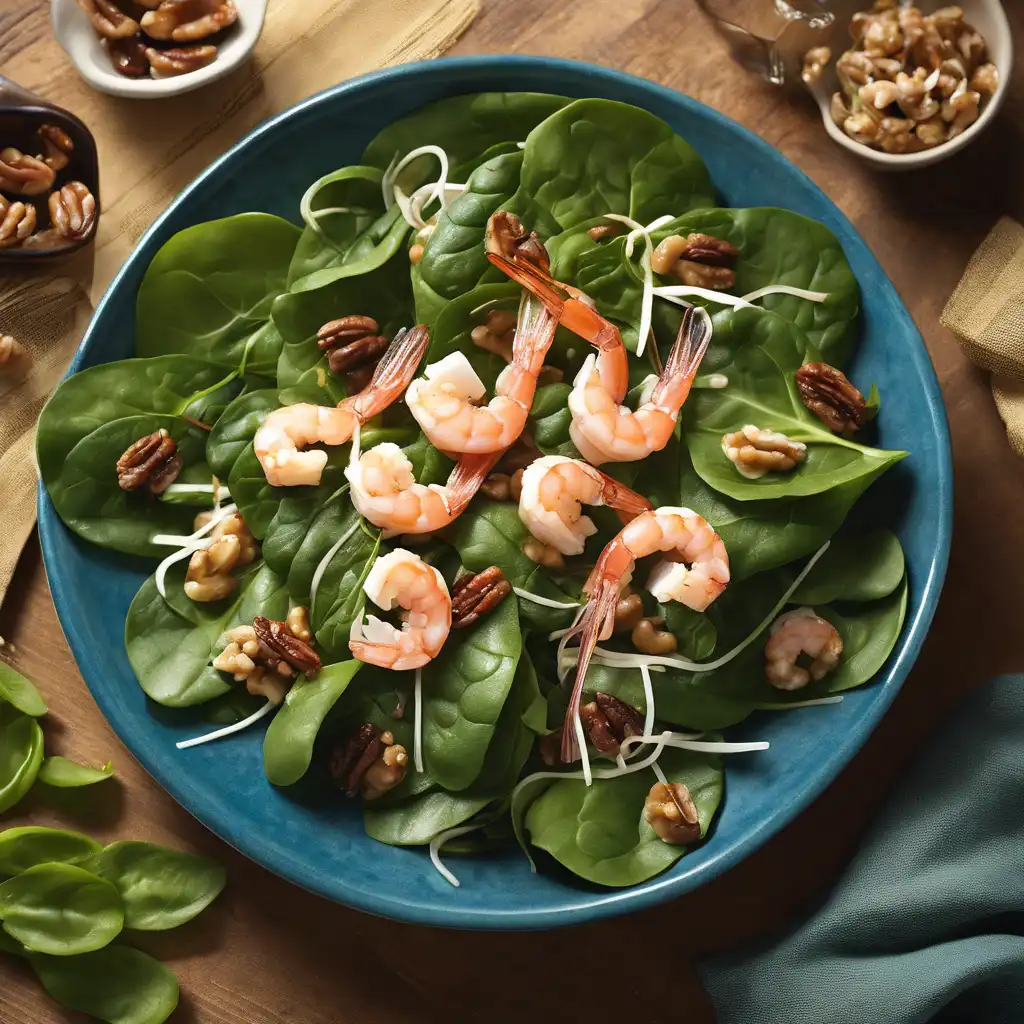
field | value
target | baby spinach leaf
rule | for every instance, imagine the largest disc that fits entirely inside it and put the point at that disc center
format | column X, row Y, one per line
column 759, row 353
column 416, row 821
column 170, row 642
column 288, row 744
column 60, row 909
column 21, row 754
column 17, row 691
column 857, row 567
column 65, row 774
column 118, row 984
column 23, row 848
column 161, row 888
column 232, row 434
column 452, row 331
column 550, row 420
column 599, row 832
column 209, row 290
column 464, row 690
column 595, row 157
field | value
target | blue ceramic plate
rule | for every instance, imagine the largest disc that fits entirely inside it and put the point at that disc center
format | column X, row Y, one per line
column 323, row 848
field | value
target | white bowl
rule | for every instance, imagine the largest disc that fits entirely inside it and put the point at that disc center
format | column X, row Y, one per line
column 987, row 16
column 75, row 33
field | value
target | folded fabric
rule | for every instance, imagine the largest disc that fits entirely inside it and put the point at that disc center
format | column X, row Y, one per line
column 986, row 312
column 927, row 923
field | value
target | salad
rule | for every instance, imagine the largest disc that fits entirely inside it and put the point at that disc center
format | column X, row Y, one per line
column 502, row 486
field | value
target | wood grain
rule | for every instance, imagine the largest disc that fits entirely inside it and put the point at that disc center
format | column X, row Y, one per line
column 269, row 952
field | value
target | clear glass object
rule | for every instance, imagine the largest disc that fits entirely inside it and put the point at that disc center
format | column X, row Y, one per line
column 769, row 37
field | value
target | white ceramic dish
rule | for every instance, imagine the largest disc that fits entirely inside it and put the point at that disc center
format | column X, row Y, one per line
column 74, row 32
column 987, row 16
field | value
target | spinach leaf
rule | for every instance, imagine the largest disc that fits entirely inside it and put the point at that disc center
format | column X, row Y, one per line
column 232, row 434
column 857, row 567
column 65, row 774
column 209, row 290
column 23, row 848
column 595, row 157
column 17, row 691
column 464, row 690
column 21, row 754
column 550, row 420
column 418, row 820
column 288, row 744
column 171, row 642
column 759, row 352
column 599, row 832
column 118, row 984
column 60, row 909
column 161, row 888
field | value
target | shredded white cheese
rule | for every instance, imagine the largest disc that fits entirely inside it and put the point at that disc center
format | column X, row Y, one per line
column 645, row 674
column 188, row 545
column 435, row 849
column 785, row 289
column 789, row 705
column 393, row 193
column 321, row 568
column 672, row 739
column 228, row 730
column 547, row 602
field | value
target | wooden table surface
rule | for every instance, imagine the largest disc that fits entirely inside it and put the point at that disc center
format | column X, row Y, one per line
column 269, row 952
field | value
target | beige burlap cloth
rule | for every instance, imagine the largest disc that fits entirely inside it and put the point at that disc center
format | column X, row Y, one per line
column 986, row 312
column 149, row 150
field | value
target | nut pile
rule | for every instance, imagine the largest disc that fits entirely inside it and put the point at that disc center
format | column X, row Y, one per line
column 911, row 81
column 25, row 179
column 159, row 38
column 369, row 762
column 698, row 260
column 209, row 571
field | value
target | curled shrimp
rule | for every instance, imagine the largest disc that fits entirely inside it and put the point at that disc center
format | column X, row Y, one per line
column 694, row 572
column 801, row 631
column 555, row 489
column 384, row 489
column 285, row 432
column 402, row 578
column 443, row 400
column 604, row 430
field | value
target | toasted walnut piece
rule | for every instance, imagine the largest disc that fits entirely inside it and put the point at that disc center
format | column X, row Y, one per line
column 186, row 21
column 696, row 248
column 838, row 109
column 496, row 487
column 57, row 145
column 297, row 620
column 861, row 127
column 828, row 393
column 474, row 595
column 599, row 232
column 387, row 771
column 815, row 60
column 261, row 683
column 985, row 79
column 932, row 132
column 128, row 56
column 887, row 67
column 208, row 587
column 234, row 526
column 628, row 612
column 855, row 67
column 882, row 36
column 108, row 19
column 496, row 334
column 15, row 359
column 180, row 61
column 150, row 463
column 23, row 174
column 506, row 236
column 235, row 661
column 650, row 638
column 73, row 210
column 17, row 222
column 671, row 812
column 879, row 94
column 543, row 554
column 515, row 484
column 756, row 452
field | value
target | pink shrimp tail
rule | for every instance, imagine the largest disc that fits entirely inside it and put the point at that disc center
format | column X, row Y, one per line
column 469, row 473
column 535, row 332
column 683, row 361
column 394, row 372
column 533, row 279
column 626, row 502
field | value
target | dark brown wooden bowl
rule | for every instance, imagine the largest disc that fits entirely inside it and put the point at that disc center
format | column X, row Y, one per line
column 21, row 113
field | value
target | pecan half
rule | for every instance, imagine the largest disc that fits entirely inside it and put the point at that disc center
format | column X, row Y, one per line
column 57, row 144
column 128, row 56
column 26, row 175
column 150, row 463
column 284, row 645
column 475, row 595
column 108, row 19
column 369, row 761
column 185, row 21
column 698, row 260
column 73, row 210
column 671, row 812
column 180, row 61
column 828, row 393
column 609, row 721
column 506, row 236
column 17, row 222
column 352, row 343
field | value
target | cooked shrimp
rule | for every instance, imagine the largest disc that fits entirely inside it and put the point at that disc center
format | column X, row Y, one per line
column 801, row 632
column 444, row 399
column 385, row 491
column 404, row 579
column 694, row 573
column 604, row 430
column 555, row 489
column 285, row 432
column 575, row 311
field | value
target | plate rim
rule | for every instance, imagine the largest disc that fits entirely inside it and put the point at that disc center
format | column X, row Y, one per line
column 589, row 905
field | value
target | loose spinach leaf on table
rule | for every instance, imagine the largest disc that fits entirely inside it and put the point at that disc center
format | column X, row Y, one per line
column 60, row 909
column 170, row 642
column 118, row 984
column 759, row 352
column 21, row 754
column 17, row 691
column 161, row 888
column 599, row 832
column 64, row 774
column 209, row 290
column 23, row 848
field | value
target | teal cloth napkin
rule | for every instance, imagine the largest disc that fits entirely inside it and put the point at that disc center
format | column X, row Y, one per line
column 927, row 923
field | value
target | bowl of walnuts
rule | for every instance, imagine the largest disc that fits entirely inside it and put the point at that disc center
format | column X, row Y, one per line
column 152, row 48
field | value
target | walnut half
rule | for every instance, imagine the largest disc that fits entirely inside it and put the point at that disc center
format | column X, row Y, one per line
column 755, row 451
